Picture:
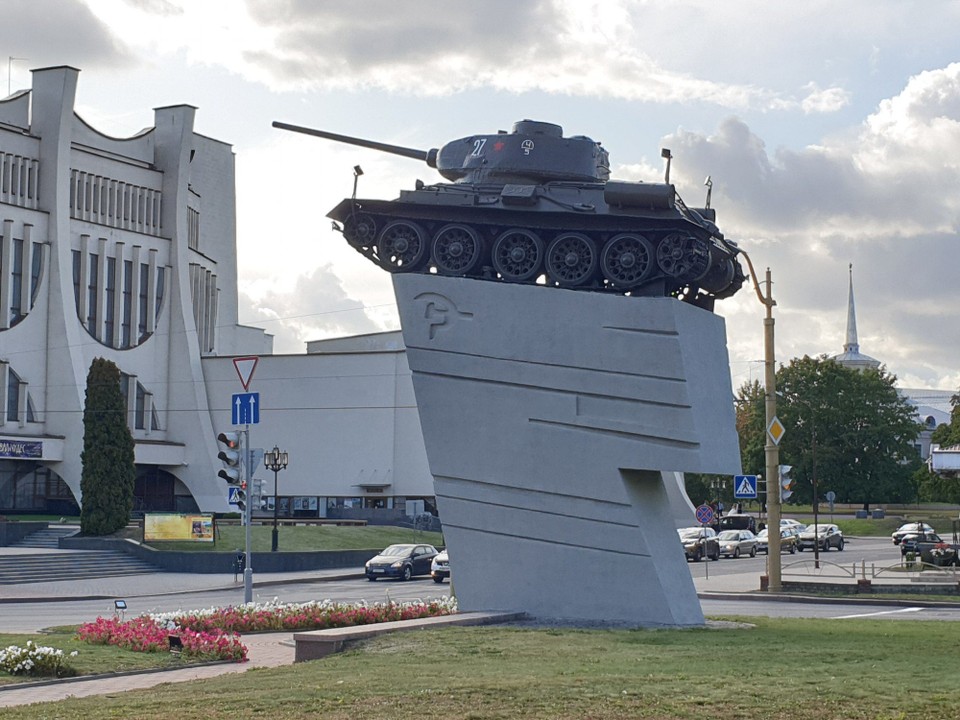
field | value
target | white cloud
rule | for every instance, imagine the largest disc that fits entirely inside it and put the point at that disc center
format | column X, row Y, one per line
column 824, row 101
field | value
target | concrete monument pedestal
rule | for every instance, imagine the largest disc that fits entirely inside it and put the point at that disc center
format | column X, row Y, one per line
column 555, row 423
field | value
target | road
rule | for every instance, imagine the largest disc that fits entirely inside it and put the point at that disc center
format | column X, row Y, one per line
column 31, row 617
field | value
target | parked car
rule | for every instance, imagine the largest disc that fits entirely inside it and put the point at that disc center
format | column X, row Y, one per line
column 910, row 543
column 401, row 561
column 821, row 535
column 791, row 523
column 440, row 567
column 910, row 528
column 699, row 542
column 734, row 543
column 788, row 541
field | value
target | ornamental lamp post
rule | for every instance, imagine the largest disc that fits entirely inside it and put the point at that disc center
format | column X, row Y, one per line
column 276, row 461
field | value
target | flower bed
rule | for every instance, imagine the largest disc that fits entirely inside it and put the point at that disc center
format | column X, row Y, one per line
column 146, row 634
column 213, row 633
column 275, row 616
column 35, row 660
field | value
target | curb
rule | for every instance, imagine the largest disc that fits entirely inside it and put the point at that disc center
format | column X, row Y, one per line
column 265, row 583
column 827, row 599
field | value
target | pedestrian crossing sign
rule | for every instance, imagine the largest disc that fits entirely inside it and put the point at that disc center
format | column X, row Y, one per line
column 745, row 486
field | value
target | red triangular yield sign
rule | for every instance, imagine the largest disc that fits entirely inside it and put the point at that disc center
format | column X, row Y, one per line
column 245, row 367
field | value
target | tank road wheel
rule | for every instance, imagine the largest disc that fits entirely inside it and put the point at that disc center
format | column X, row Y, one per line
column 517, row 255
column 456, row 250
column 401, row 246
column 360, row 230
column 684, row 257
column 571, row 260
column 627, row 260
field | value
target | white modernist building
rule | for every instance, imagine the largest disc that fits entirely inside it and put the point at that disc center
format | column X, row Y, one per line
column 126, row 249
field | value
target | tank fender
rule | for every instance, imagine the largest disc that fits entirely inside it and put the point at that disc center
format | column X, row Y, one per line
column 639, row 195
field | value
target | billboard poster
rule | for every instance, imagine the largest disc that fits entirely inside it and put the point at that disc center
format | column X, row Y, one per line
column 177, row 526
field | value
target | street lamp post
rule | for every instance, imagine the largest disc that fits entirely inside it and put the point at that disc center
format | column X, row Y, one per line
column 276, row 461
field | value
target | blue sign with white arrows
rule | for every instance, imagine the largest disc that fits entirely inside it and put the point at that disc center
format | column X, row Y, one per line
column 745, row 486
column 245, row 409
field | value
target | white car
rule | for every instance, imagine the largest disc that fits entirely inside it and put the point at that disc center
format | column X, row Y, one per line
column 911, row 528
column 734, row 543
column 440, row 567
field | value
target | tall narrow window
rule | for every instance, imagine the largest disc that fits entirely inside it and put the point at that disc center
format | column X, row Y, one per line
column 76, row 277
column 93, row 287
column 36, row 268
column 13, row 396
column 127, row 303
column 160, row 279
column 143, row 305
column 16, row 281
column 139, row 414
column 109, row 284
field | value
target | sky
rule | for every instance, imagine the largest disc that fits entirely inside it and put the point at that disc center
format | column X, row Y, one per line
column 831, row 133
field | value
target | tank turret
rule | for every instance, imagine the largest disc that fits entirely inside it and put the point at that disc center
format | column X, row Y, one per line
column 531, row 205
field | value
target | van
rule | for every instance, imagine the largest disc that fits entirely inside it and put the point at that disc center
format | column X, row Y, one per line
column 738, row 522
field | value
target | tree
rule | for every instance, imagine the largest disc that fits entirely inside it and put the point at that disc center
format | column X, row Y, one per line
column 751, row 427
column 851, row 430
column 108, row 475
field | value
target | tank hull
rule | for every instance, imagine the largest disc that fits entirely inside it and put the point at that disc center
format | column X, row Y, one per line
column 617, row 237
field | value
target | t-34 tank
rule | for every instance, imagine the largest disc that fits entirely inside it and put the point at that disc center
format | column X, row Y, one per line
column 532, row 206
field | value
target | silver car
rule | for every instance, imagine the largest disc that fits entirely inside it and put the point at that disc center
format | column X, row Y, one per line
column 734, row 543
column 821, row 535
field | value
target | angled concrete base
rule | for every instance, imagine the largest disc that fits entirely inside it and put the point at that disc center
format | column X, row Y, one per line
column 555, row 423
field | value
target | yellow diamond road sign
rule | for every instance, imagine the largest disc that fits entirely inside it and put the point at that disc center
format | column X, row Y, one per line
column 776, row 430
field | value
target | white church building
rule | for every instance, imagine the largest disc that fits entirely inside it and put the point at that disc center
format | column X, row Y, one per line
column 126, row 249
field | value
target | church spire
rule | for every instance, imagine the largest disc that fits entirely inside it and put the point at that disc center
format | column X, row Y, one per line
column 852, row 345
column 851, row 356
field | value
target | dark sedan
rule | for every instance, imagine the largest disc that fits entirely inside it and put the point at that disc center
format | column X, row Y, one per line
column 401, row 561
column 912, row 542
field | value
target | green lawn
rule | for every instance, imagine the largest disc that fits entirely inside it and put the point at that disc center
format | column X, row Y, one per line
column 308, row 538
column 794, row 669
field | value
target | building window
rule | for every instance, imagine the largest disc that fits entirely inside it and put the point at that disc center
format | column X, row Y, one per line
column 138, row 415
column 110, row 289
column 36, row 268
column 143, row 305
column 76, row 277
column 127, row 303
column 161, row 276
column 13, row 396
column 92, row 291
column 16, row 282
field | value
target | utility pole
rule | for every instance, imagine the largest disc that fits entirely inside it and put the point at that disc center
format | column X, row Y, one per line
column 772, row 434
column 771, row 450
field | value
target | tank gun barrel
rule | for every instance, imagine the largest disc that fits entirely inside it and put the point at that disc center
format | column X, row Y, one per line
column 428, row 156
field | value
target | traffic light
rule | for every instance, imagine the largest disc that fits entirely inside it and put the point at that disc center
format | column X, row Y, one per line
column 786, row 482
column 230, row 455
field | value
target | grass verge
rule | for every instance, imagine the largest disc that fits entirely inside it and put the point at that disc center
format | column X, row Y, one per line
column 307, row 538
column 796, row 669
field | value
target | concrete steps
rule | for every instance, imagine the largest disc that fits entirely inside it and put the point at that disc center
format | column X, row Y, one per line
column 48, row 539
column 77, row 565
